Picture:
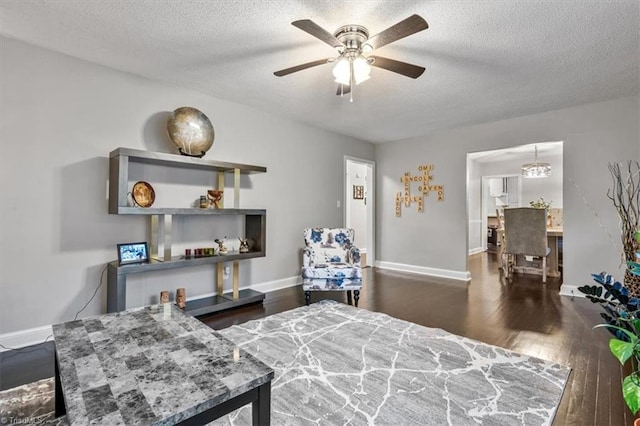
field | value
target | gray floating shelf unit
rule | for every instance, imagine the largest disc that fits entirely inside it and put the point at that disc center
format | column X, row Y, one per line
column 160, row 220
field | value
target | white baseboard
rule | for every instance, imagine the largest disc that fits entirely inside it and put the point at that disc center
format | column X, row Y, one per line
column 277, row 284
column 22, row 338
column 475, row 250
column 570, row 290
column 423, row 270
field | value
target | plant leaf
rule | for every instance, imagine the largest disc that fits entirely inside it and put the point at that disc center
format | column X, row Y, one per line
column 632, row 337
column 621, row 350
column 631, row 393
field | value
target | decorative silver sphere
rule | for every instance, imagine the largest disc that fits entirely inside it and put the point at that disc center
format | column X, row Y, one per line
column 191, row 131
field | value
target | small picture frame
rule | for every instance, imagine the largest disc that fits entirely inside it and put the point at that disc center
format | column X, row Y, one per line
column 130, row 253
column 358, row 192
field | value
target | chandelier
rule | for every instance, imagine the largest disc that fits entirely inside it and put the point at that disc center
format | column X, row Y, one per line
column 536, row 169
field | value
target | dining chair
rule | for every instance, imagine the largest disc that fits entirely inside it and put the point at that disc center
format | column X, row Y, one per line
column 525, row 233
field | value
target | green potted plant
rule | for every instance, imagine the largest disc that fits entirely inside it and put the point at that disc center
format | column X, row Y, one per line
column 622, row 319
column 540, row 203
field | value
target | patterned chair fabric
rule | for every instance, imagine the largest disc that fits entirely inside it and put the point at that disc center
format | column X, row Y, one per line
column 330, row 261
column 329, row 254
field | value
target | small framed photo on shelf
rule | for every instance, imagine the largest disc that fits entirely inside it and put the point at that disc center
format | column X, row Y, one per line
column 130, row 253
column 358, row 192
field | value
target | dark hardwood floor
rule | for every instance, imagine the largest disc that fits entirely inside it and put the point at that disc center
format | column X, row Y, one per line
column 523, row 315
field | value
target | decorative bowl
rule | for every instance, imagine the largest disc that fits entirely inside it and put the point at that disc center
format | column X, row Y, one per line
column 191, row 131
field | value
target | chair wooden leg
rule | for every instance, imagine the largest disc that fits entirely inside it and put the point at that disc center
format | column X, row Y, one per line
column 307, row 297
column 505, row 265
column 544, row 269
column 356, row 296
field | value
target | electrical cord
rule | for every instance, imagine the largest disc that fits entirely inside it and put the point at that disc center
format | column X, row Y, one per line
column 94, row 293
column 31, row 348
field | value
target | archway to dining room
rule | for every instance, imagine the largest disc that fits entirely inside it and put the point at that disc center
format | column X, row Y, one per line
column 495, row 181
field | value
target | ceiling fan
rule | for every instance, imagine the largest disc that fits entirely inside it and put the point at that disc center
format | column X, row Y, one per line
column 352, row 42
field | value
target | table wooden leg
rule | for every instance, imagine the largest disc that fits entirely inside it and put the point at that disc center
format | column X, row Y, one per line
column 262, row 406
column 553, row 256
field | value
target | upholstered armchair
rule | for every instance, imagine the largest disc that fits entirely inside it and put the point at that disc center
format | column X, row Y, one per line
column 525, row 233
column 330, row 262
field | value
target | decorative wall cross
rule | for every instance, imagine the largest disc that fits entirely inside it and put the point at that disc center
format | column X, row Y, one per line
column 424, row 188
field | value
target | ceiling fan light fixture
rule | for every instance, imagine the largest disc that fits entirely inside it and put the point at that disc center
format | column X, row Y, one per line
column 361, row 70
column 342, row 71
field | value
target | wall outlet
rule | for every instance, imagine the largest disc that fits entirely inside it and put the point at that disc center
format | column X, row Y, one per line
column 225, row 272
column 338, row 204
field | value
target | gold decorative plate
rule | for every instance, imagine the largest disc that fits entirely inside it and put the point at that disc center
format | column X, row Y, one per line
column 143, row 194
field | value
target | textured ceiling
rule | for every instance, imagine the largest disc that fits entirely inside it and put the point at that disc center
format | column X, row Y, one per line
column 485, row 59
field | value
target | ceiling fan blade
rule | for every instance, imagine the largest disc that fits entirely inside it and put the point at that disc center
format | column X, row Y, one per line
column 318, row 32
column 301, row 67
column 343, row 89
column 409, row 70
column 402, row 29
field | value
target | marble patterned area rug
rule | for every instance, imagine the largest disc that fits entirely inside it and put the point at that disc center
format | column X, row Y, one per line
column 335, row 364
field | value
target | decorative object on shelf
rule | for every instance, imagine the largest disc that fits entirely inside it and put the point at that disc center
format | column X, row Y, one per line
column 621, row 320
column 625, row 196
column 164, row 296
column 191, row 131
column 187, row 253
column 204, row 202
column 215, row 195
column 221, row 247
column 244, row 245
column 536, row 170
column 424, row 189
column 181, row 298
column 358, row 192
column 142, row 194
column 130, row 253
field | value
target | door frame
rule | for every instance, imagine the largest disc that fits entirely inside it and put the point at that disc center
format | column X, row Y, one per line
column 485, row 193
column 370, row 200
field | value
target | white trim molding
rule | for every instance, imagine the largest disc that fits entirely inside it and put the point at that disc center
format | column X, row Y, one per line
column 22, row 338
column 277, row 284
column 424, row 270
column 475, row 250
column 570, row 290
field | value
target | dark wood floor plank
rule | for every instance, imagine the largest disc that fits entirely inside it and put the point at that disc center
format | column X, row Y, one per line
column 522, row 315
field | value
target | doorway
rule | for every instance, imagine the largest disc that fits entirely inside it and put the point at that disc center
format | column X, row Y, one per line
column 359, row 203
column 494, row 180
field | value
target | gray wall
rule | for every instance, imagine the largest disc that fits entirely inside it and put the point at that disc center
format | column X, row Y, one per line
column 593, row 135
column 60, row 119
column 550, row 188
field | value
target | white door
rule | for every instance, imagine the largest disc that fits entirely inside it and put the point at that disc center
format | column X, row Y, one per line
column 359, row 202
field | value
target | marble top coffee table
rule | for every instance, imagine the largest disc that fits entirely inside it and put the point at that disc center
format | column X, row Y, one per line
column 154, row 366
